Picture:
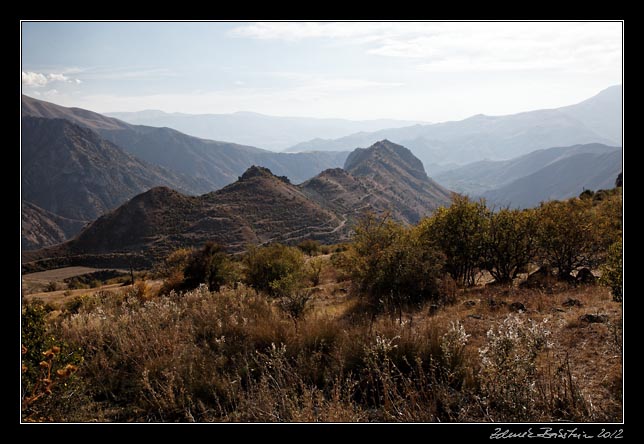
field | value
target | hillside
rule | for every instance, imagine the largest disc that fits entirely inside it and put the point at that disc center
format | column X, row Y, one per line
column 478, row 177
column 559, row 180
column 210, row 164
column 40, row 228
column 249, row 128
column 496, row 137
column 384, row 178
column 71, row 171
column 259, row 208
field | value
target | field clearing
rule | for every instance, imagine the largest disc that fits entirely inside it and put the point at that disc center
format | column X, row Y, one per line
column 59, row 274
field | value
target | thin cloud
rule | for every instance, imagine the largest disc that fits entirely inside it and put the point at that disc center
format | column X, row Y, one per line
column 38, row 80
column 459, row 46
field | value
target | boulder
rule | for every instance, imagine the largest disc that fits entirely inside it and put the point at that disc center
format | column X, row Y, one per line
column 585, row 276
column 594, row 318
column 570, row 302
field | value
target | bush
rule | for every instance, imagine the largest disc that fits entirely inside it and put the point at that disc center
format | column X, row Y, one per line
column 509, row 244
column 210, row 266
column 391, row 266
column 47, row 364
column 274, row 269
column 568, row 236
column 612, row 271
column 309, row 246
column 458, row 231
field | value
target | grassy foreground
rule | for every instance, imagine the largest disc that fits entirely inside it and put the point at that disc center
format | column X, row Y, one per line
column 493, row 353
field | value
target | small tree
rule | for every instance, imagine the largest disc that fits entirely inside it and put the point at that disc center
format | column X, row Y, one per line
column 568, row 235
column 510, row 243
column 275, row 269
column 309, row 246
column 391, row 266
column 458, row 231
column 210, row 266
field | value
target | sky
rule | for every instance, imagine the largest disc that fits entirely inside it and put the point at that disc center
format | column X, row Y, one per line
column 422, row 71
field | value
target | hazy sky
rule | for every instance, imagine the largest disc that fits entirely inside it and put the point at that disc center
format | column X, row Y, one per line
column 429, row 71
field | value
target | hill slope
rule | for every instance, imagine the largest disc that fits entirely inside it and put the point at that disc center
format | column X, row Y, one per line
column 258, row 208
column 71, row 171
column 478, row 177
column 210, row 164
column 40, row 228
column 384, row 178
column 562, row 179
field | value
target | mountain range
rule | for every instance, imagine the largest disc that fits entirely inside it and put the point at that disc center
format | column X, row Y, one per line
column 595, row 120
column 259, row 207
column 78, row 164
column 478, row 178
column 562, row 179
column 249, row 128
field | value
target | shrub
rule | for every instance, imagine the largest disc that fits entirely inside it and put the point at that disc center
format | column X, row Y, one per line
column 568, row 236
column 47, row 363
column 314, row 269
column 309, row 246
column 509, row 243
column 458, row 231
column 509, row 365
column 612, row 271
column 274, row 269
column 52, row 286
column 391, row 266
column 210, row 266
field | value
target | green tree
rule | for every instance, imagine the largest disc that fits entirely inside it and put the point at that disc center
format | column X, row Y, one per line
column 458, row 231
column 568, row 235
column 274, row 269
column 210, row 266
column 510, row 243
column 391, row 266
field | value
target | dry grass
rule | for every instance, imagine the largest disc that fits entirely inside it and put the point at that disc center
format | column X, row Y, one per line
column 234, row 356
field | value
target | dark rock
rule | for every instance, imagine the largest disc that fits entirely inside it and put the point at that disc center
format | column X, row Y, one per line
column 518, row 307
column 594, row 318
column 544, row 277
column 469, row 303
column 495, row 304
column 475, row 316
column 585, row 276
column 570, row 302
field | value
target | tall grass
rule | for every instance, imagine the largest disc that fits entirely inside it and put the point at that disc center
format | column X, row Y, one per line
column 234, row 355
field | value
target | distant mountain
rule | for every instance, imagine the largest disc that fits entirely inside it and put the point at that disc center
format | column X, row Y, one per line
column 596, row 120
column 74, row 173
column 561, row 179
column 383, row 178
column 601, row 113
column 478, row 177
column 209, row 164
column 41, row 228
column 247, row 128
column 259, row 208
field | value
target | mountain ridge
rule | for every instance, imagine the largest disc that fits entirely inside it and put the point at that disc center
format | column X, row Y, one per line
column 260, row 207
